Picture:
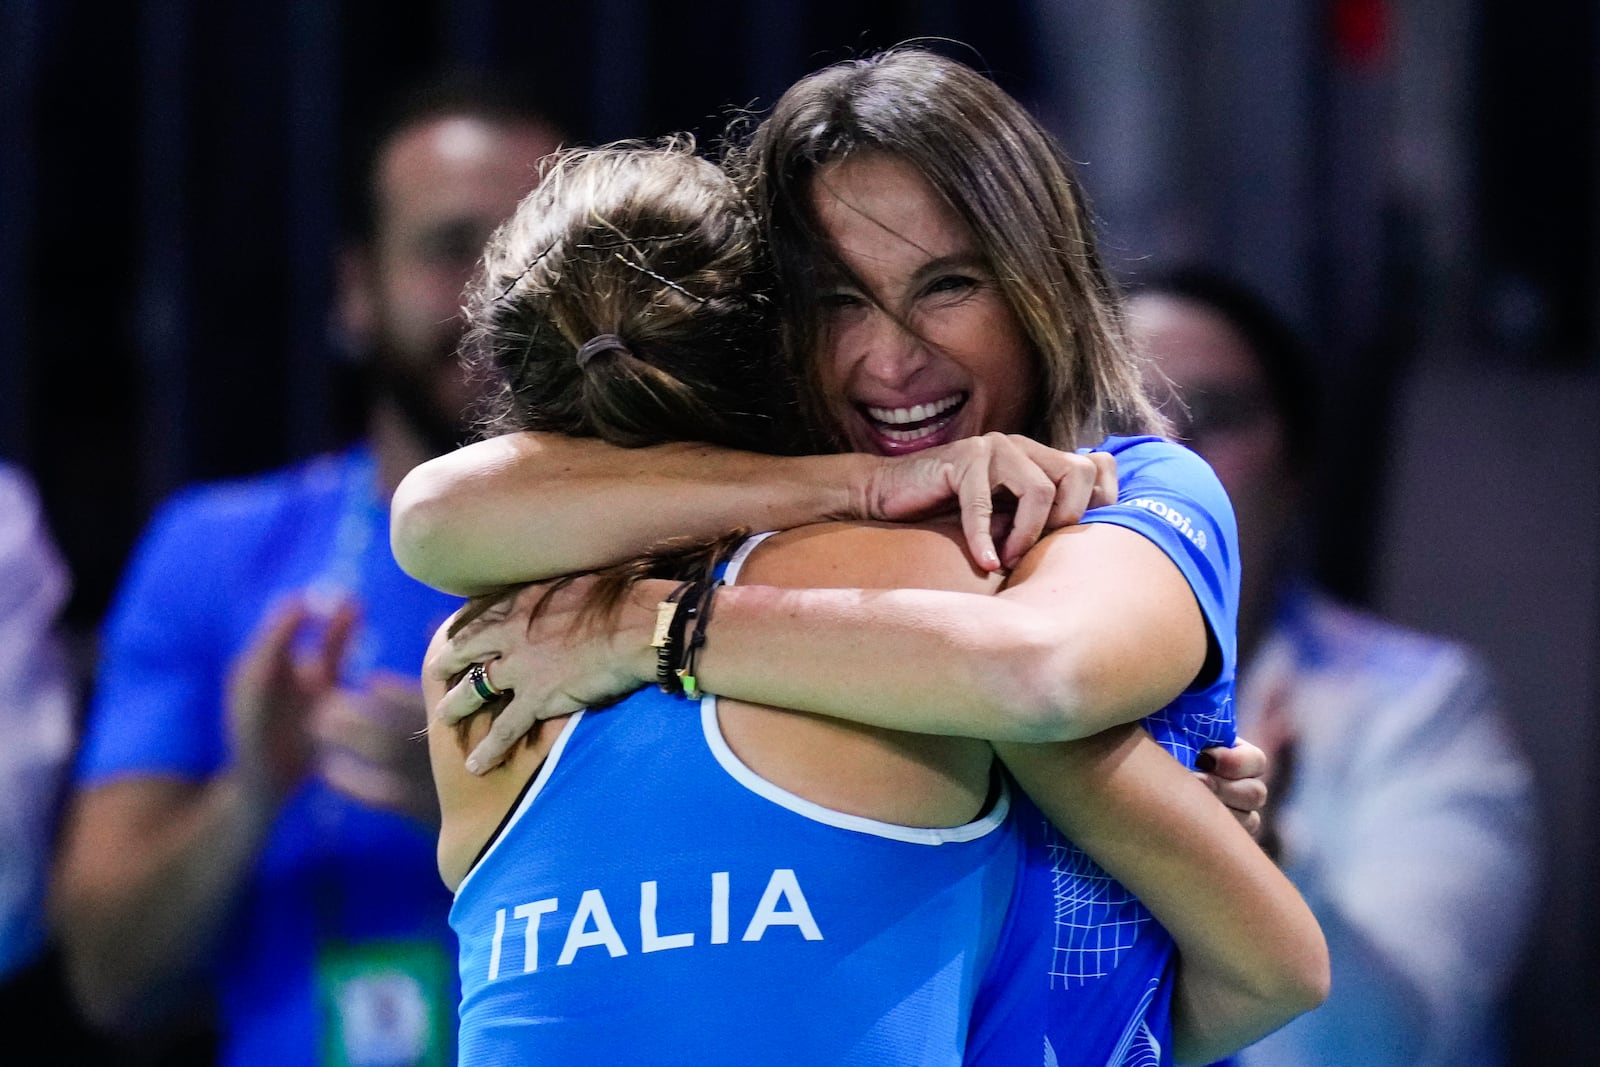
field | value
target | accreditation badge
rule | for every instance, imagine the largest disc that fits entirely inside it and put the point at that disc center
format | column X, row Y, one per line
column 385, row 1004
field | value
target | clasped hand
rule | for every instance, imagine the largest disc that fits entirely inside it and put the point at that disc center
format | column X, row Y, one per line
column 1038, row 488
column 548, row 654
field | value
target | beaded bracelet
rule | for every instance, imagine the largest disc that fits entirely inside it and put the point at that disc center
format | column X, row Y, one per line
column 668, row 637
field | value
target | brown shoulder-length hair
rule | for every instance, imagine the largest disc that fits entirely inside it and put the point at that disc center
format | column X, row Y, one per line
column 655, row 248
column 1004, row 176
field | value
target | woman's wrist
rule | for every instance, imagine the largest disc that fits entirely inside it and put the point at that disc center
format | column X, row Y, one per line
column 780, row 492
column 859, row 480
column 634, row 631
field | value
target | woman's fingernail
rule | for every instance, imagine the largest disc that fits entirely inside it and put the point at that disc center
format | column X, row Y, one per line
column 473, row 766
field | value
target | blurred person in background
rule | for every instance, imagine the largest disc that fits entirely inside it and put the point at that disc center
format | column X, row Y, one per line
column 253, row 815
column 1399, row 803
column 38, row 707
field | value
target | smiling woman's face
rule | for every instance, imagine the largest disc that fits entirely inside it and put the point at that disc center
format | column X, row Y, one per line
column 964, row 366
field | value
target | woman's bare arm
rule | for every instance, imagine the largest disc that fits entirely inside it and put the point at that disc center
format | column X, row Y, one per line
column 530, row 506
column 1251, row 956
column 1098, row 627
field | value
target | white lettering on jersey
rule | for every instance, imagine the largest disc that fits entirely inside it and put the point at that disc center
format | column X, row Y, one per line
column 530, row 932
column 783, row 903
column 1175, row 518
column 592, row 906
column 494, row 948
column 719, row 908
column 783, row 884
column 649, row 939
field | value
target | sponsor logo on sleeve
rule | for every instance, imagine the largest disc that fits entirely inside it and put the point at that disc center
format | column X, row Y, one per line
column 1177, row 519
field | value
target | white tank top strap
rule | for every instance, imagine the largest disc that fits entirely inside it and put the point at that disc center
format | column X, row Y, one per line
column 730, row 572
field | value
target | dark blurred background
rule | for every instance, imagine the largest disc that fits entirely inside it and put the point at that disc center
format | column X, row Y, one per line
column 1413, row 183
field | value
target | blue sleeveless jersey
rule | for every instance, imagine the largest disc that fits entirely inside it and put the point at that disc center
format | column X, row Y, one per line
column 1084, row 973
column 652, row 900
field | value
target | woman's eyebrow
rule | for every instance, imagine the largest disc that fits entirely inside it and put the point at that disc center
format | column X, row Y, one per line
column 963, row 259
column 966, row 259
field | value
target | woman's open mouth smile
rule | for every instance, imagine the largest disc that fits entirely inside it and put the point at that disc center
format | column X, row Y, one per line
column 907, row 429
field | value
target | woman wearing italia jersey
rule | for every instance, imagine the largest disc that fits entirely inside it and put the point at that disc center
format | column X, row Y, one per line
column 731, row 893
